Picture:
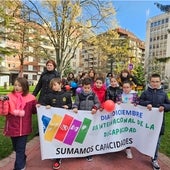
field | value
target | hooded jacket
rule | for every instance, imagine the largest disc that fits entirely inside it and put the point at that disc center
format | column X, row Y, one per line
column 86, row 101
column 16, row 125
column 157, row 98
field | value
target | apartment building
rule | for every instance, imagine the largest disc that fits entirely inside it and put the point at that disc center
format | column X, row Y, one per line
column 136, row 46
column 157, row 48
column 90, row 58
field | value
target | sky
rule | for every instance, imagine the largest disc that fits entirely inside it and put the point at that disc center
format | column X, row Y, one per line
column 133, row 14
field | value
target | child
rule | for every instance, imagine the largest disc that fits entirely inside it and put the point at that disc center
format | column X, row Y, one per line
column 57, row 98
column 154, row 96
column 86, row 100
column 100, row 90
column 18, row 123
column 113, row 90
column 128, row 96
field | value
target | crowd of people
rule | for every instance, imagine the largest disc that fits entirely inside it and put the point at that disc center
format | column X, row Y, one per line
column 88, row 91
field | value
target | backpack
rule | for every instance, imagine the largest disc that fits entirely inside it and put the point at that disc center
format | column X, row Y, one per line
column 4, row 105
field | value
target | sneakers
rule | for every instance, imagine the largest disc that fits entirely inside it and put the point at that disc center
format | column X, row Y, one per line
column 129, row 154
column 23, row 168
column 57, row 164
column 89, row 158
column 155, row 165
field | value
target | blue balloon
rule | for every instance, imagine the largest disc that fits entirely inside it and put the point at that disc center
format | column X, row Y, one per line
column 73, row 84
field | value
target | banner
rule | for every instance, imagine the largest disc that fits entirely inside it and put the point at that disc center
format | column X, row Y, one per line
column 65, row 134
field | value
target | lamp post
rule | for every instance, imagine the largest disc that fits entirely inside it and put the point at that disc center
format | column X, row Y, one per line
column 111, row 65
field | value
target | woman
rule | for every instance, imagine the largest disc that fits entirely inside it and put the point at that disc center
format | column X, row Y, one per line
column 44, row 81
column 126, row 76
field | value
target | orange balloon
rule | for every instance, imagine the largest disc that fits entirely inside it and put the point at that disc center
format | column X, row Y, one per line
column 109, row 105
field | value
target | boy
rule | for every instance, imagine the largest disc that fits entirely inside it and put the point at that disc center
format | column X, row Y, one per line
column 86, row 100
column 57, row 98
column 155, row 96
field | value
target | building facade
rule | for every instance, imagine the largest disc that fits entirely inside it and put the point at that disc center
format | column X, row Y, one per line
column 157, row 48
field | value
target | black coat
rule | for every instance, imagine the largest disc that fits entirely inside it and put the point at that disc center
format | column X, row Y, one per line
column 43, row 84
column 157, row 98
column 58, row 99
column 112, row 93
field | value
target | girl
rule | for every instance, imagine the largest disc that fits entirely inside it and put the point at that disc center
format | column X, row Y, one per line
column 58, row 98
column 128, row 96
column 113, row 90
column 18, row 123
column 100, row 90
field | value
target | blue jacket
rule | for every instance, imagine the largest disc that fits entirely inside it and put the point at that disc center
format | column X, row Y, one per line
column 157, row 98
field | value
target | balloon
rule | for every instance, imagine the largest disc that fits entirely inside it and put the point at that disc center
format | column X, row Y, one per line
column 78, row 90
column 73, row 84
column 109, row 105
column 67, row 87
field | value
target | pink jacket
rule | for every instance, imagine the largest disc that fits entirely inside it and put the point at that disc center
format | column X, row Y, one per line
column 20, row 125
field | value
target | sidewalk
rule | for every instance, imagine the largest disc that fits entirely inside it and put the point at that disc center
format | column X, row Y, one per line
column 111, row 161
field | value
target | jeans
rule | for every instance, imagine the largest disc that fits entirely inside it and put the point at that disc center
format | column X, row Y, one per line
column 19, row 145
column 157, row 148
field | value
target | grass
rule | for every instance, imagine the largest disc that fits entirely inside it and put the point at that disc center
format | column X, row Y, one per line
column 6, row 146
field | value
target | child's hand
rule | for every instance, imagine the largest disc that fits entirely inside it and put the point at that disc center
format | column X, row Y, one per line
column 38, row 105
column 93, row 111
column 149, row 107
column 118, row 102
column 75, row 110
column 101, row 109
column 161, row 109
column 65, row 107
column 48, row 107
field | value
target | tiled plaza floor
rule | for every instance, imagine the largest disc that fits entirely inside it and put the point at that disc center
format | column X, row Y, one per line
column 111, row 161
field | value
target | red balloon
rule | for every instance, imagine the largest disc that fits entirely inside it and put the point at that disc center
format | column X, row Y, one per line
column 67, row 87
column 109, row 105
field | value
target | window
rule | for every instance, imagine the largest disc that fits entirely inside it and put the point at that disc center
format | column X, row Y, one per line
column 166, row 20
column 34, row 77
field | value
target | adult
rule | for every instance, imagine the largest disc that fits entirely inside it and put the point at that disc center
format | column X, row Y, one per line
column 126, row 76
column 72, row 81
column 44, row 81
column 92, row 76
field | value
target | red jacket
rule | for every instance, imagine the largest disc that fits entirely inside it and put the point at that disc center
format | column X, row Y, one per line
column 20, row 125
column 100, row 93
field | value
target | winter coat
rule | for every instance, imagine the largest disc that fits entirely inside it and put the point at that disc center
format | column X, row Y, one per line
column 130, row 78
column 43, row 84
column 20, row 125
column 100, row 92
column 86, row 101
column 58, row 99
column 157, row 98
column 112, row 93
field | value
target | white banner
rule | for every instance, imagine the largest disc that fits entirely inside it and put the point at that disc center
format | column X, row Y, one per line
column 64, row 134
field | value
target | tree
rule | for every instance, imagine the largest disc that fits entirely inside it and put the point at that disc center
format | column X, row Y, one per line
column 5, row 20
column 21, row 35
column 164, row 8
column 67, row 23
column 112, row 49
